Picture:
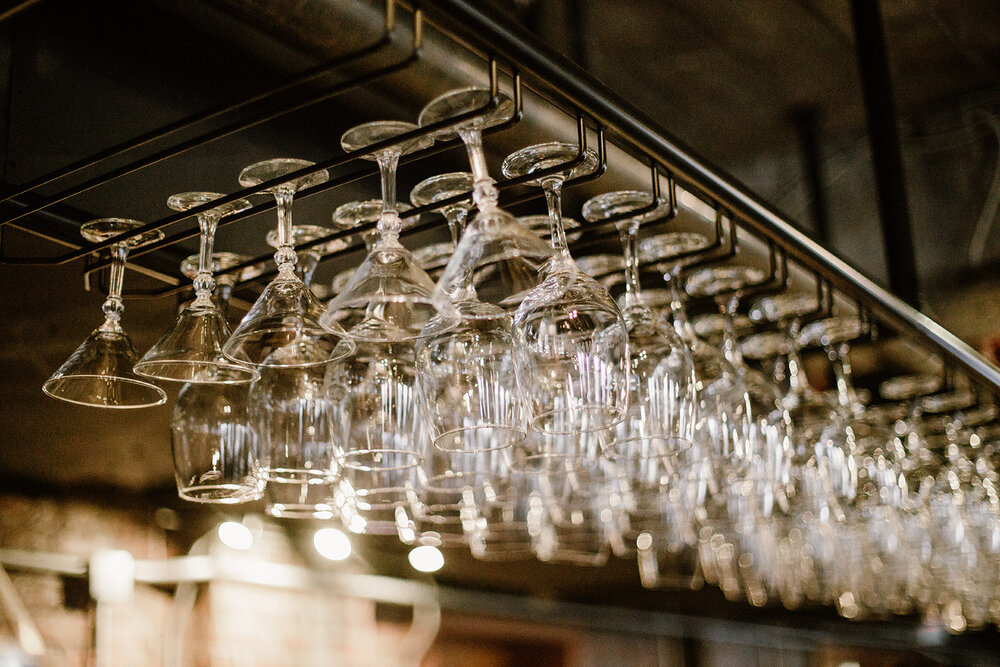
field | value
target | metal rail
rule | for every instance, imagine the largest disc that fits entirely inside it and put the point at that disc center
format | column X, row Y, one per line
column 494, row 34
column 596, row 109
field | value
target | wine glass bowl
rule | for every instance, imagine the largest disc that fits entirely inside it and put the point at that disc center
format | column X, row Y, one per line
column 191, row 350
column 100, row 373
column 283, row 327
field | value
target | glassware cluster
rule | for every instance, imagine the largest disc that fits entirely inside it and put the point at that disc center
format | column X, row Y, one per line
column 514, row 409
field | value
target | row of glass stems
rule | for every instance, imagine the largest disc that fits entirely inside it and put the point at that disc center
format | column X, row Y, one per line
column 514, row 408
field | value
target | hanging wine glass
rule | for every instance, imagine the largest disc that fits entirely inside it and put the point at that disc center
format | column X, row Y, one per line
column 213, row 444
column 354, row 214
column 467, row 383
column 571, row 347
column 493, row 236
column 191, row 350
column 378, row 420
column 572, row 521
column 225, row 280
column 282, row 328
column 661, row 381
column 446, row 186
column 99, row 373
column 766, row 438
column 389, row 285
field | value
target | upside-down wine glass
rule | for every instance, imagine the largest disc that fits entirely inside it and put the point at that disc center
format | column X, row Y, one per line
column 213, row 443
column 282, row 328
column 191, row 350
column 493, row 236
column 354, row 214
column 446, row 186
column 661, row 388
column 99, row 373
column 571, row 347
column 389, row 286
column 467, row 382
column 298, row 450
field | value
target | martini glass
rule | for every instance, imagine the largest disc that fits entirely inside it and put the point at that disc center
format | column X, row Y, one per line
column 99, row 373
column 225, row 280
column 191, row 350
column 389, row 285
column 493, row 236
column 571, row 346
column 286, row 315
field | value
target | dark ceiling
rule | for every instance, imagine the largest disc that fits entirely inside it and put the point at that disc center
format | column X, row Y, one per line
column 731, row 79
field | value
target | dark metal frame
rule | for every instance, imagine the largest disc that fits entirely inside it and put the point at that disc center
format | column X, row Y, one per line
column 596, row 109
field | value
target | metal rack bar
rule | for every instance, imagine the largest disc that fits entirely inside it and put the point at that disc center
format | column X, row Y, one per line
column 493, row 34
column 194, row 119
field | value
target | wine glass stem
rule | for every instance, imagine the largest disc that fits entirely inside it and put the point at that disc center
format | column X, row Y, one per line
column 730, row 349
column 389, row 223
column 629, row 232
column 839, row 355
column 681, row 324
column 797, row 383
column 553, row 199
column 455, row 217
column 113, row 305
column 484, row 192
column 285, row 256
column 306, row 266
column 204, row 283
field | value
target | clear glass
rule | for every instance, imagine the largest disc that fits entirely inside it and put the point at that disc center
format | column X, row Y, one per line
column 191, row 350
column 389, row 285
column 225, row 280
column 378, row 421
column 282, row 328
column 571, row 347
column 446, row 186
column 661, row 374
column 571, row 519
column 493, row 237
column 214, row 445
column 99, row 373
column 297, row 453
column 465, row 367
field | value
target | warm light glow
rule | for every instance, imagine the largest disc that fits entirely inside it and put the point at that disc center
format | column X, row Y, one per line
column 426, row 558
column 332, row 544
column 235, row 535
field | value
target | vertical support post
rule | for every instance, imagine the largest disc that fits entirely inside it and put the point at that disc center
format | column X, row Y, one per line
column 883, row 137
column 806, row 121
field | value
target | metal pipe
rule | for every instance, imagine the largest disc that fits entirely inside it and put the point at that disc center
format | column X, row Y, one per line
column 883, row 137
column 495, row 35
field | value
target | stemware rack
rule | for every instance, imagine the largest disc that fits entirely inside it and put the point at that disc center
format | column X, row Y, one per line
column 554, row 99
